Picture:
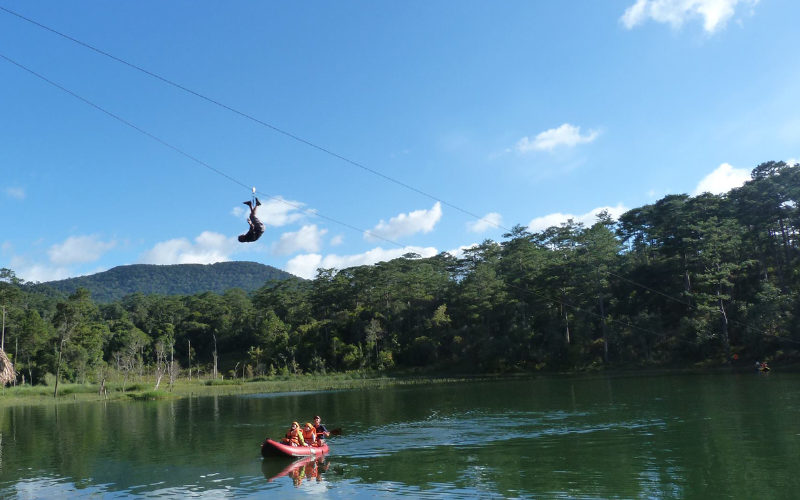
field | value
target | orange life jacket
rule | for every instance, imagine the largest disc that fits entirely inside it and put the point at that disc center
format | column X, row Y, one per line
column 310, row 435
column 295, row 437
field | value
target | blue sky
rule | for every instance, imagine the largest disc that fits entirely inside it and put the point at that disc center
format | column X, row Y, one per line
column 520, row 112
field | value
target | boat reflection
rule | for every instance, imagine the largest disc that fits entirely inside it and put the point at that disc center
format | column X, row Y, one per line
column 306, row 469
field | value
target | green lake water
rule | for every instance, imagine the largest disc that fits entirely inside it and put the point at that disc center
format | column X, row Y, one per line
column 634, row 436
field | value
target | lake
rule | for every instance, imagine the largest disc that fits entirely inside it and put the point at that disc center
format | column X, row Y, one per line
column 600, row 437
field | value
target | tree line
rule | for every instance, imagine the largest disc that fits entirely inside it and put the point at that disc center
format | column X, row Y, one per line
column 708, row 279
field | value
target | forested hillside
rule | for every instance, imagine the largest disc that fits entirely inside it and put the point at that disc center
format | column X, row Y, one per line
column 178, row 279
column 710, row 280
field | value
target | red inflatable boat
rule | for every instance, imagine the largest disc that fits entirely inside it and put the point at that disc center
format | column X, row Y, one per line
column 272, row 448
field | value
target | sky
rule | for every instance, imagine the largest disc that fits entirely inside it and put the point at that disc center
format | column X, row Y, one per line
column 383, row 125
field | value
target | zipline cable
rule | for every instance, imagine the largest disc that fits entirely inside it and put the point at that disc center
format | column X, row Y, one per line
column 368, row 233
column 196, row 160
column 256, row 120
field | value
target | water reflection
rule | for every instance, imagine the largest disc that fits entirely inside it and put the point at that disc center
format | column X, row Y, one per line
column 306, row 469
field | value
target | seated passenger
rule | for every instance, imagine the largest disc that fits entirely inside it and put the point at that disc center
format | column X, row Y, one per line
column 322, row 432
column 294, row 436
column 310, row 434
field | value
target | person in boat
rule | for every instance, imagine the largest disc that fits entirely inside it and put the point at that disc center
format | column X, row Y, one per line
column 310, row 434
column 322, row 432
column 764, row 367
column 256, row 226
column 294, row 436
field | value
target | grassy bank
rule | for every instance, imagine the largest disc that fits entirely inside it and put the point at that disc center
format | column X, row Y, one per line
column 142, row 391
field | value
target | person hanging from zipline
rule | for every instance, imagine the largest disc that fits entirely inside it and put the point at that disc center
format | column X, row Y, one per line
column 256, row 226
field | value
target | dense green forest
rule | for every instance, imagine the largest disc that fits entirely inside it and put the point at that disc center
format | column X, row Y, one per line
column 709, row 280
column 178, row 279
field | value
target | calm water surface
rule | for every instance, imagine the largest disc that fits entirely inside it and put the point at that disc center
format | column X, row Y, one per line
column 642, row 437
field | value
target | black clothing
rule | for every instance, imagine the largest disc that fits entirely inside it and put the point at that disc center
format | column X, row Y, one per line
column 256, row 230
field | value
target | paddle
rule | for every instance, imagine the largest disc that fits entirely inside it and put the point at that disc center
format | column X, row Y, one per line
column 336, row 432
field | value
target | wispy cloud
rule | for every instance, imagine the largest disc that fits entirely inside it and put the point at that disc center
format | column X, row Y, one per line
column 337, row 240
column 306, row 265
column 714, row 13
column 407, row 224
column 16, row 193
column 565, row 136
column 276, row 212
column 722, row 179
column 588, row 218
column 308, row 239
column 207, row 248
column 79, row 249
column 490, row 221
column 41, row 273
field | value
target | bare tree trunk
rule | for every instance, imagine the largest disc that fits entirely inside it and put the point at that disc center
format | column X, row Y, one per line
column 190, row 361
column 58, row 367
column 724, row 325
column 215, row 357
column 3, row 341
column 171, row 365
column 159, row 369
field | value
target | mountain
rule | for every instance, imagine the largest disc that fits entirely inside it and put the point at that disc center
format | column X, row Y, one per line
column 177, row 279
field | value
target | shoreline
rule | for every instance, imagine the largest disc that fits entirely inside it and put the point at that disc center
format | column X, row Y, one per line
column 137, row 391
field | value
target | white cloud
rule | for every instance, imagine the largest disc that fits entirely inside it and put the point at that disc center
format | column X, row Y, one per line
column 792, row 162
column 207, row 248
column 651, row 193
column 589, row 218
column 459, row 252
column 306, row 265
column 490, row 221
column 722, row 180
column 715, row 13
column 337, row 240
column 239, row 212
column 41, row 273
column 7, row 248
column 77, row 249
column 308, row 238
column 277, row 212
column 565, row 135
column 407, row 224
column 17, row 193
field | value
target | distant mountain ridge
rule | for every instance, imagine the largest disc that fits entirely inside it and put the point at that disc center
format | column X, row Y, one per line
column 175, row 279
